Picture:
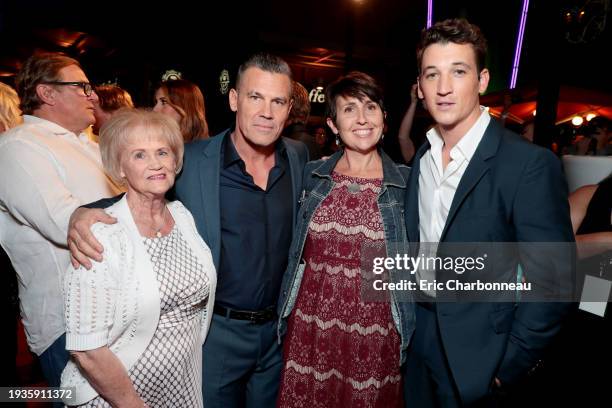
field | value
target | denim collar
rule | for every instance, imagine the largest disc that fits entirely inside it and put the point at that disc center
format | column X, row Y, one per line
column 391, row 174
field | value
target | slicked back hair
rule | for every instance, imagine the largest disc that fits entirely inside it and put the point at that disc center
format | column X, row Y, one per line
column 266, row 62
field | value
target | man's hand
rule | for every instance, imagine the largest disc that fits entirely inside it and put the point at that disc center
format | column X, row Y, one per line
column 82, row 243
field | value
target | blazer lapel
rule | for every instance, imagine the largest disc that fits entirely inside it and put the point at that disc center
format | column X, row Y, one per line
column 209, row 186
column 412, row 196
column 475, row 170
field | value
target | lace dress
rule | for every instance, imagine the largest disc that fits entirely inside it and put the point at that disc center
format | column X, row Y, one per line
column 169, row 372
column 340, row 351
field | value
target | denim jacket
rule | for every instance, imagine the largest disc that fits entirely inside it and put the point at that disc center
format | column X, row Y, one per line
column 317, row 185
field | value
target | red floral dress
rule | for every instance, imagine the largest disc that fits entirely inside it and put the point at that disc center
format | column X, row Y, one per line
column 340, row 351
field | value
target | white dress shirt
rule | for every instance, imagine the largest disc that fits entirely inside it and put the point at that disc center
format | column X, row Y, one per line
column 437, row 186
column 46, row 172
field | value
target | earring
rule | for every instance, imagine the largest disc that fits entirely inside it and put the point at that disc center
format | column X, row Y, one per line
column 337, row 140
column 382, row 137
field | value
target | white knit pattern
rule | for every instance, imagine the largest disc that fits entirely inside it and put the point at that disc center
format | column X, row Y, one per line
column 92, row 295
column 138, row 302
column 168, row 373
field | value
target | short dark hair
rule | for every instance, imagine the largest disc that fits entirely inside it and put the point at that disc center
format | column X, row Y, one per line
column 457, row 31
column 356, row 84
column 265, row 62
column 39, row 69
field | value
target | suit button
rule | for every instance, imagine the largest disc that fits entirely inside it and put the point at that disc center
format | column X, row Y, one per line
column 284, row 293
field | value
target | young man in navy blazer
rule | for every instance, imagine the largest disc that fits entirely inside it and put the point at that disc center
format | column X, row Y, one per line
column 474, row 181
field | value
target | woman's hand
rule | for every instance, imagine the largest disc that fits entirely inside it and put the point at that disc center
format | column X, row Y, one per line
column 403, row 134
column 413, row 94
column 107, row 375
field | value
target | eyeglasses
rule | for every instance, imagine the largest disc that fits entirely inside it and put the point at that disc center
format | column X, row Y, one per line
column 86, row 86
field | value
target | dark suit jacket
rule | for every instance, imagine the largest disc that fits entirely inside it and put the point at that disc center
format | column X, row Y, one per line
column 511, row 191
column 197, row 187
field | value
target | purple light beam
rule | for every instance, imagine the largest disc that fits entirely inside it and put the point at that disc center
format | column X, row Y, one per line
column 429, row 12
column 519, row 45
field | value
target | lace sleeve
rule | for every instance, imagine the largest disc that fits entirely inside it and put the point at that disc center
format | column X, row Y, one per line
column 90, row 296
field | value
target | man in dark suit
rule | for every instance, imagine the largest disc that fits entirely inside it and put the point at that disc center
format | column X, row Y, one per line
column 242, row 187
column 474, row 181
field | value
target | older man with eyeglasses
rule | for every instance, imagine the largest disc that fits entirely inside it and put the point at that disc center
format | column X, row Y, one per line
column 48, row 168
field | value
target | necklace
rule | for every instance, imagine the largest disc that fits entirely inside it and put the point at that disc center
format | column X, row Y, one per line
column 354, row 188
column 157, row 231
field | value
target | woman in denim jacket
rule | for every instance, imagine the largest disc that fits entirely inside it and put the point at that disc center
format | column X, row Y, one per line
column 344, row 341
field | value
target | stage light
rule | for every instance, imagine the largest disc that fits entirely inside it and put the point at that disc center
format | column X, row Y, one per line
column 577, row 120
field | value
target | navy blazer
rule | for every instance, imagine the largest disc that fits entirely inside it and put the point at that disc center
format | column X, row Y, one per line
column 511, row 191
column 197, row 187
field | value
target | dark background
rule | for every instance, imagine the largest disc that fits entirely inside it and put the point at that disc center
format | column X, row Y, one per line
column 133, row 44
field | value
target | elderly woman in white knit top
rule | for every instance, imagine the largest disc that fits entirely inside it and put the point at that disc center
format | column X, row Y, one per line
column 137, row 320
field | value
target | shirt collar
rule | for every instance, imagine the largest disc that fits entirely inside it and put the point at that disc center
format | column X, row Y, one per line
column 51, row 126
column 231, row 156
column 435, row 140
column 467, row 145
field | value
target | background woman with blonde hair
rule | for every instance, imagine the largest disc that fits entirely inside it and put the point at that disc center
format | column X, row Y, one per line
column 10, row 114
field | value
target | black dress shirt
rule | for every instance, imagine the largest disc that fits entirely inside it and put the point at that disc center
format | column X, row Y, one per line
column 256, row 228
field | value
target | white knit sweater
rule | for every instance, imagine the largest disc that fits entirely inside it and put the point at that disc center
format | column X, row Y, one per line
column 117, row 302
